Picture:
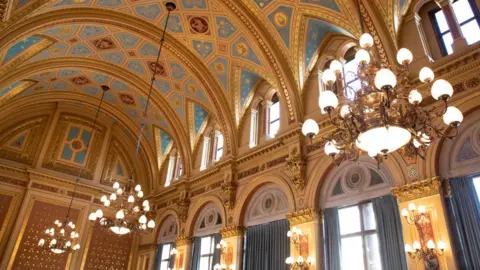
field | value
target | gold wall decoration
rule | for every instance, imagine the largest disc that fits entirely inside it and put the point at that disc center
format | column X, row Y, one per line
column 52, row 161
column 183, row 241
column 302, row 216
column 13, row 181
column 229, row 190
column 232, row 231
column 419, row 189
column 296, row 165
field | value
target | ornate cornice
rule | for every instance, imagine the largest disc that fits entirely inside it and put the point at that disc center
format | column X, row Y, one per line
column 302, row 216
column 417, row 190
column 183, row 241
column 232, row 231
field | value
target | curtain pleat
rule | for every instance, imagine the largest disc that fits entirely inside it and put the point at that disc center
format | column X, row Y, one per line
column 267, row 246
column 158, row 257
column 464, row 214
column 197, row 243
column 333, row 257
column 216, row 253
column 390, row 233
column 171, row 262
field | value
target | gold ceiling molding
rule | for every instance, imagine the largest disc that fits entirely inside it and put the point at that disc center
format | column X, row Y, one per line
column 417, row 190
column 232, row 231
column 367, row 20
column 183, row 241
column 302, row 216
column 280, row 74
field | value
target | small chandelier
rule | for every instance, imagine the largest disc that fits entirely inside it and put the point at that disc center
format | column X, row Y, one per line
column 62, row 237
column 222, row 246
column 385, row 113
column 127, row 201
column 299, row 263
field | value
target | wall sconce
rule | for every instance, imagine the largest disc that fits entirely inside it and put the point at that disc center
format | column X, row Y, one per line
column 300, row 262
column 222, row 246
column 416, row 251
column 173, row 255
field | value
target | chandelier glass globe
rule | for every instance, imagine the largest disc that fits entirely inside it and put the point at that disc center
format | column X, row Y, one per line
column 453, row 116
column 385, row 78
column 383, row 139
column 362, row 57
column 328, row 77
column 441, row 89
column 310, row 128
column 366, row 41
column 336, row 66
column 426, row 75
column 328, row 101
column 404, row 56
column 414, row 97
column 331, row 149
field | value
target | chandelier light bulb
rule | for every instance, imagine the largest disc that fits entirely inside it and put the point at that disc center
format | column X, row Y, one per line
column 146, row 208
column 145, row 203
column 151, row 224
column 331, row 149
column 362, row 57
column 430, row 244
column 99, row 213
column 68, row 244
column 47, row 231
column 72, row 235
column 414, row 97
column 113, row 197
column 408, row 248
column 441, row 245
column 426, row 75
column 327, row 101
column 53, row 242
column 131, row 199
column 310, row 260
column 116, row 185
column 289, row 260
column 453, row 116
column 107, row 203
column 416, row 143
column 416, row 245
column 120, row 214
column 92, row 217
column 385, row 79
column 310, row 128
column 412, row 207
column 404, row 212
column 421, row 209
column 344, row 111
column 328, row 77
column 336, row 66
column 442, row 89
column 138, row 188
column 119, row 191
column 76, row 247
column 142, row 219
column 366, row 41
column 289, row 234
column 140, row 194
column 56, row 222
column 103, row 198
column 404, row 56
column 300, row 260
column 41, row 242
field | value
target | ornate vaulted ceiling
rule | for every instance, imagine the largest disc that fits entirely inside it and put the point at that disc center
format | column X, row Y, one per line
column 216, row 53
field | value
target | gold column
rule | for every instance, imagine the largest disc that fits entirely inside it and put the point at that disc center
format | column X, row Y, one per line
column 183, row 257
column 233, row 236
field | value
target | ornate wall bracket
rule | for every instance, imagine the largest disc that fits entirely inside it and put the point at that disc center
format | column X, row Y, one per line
column 296, row 165
column 183, row 204
column 417, row 190
column 302, row 216
column 229, row 190
column 232, row 231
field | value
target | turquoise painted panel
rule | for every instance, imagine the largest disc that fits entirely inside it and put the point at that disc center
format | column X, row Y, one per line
column 241, row 48
column 136, row 66
column 110, row 98
column 174, row 24
column 119, row 86
column 194, row 4
column 247, row 83
column 225, row 28
column 281, row 19
column 132, row 113
column 331, row 4
column 60, row 85
column 203, row 48
column 148, row 49
column 63, row 32
column 68, row 72
column 20, row 47
column 316, row 31
column 67, row 152
column 72, row 3
column 200, row 114
column 92, row 31
column 150, row 12
column 18, row 143
column 176, row 100
column 100, row 78
column 79, row 157
column 192, row 89
column 119, row 169
column 73, row 133
column 80, row 50
column 114, row 57
column 91, row 90
column 22, row 2
column 127, row 40
column 9, row 88
column 220, row 68
column 43, row 75
column 177, row 71
column 163, row 86
column 109, row 3
column 57, row 50
column 165, row 140
column 262, row 3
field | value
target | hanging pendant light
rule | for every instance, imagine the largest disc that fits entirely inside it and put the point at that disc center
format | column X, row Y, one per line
column 62, row 236
column 131, row 210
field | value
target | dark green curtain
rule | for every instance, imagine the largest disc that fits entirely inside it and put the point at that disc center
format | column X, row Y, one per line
column 267, row 246
column 463, row 210
column 216, row 253
column 158, row 257
column 389, row 232
column 331, row 230
column 197, row 243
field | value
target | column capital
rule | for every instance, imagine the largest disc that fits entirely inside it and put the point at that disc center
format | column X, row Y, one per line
column 232, row 231
column 302, row 216
column 183, row 241
column 418, row 189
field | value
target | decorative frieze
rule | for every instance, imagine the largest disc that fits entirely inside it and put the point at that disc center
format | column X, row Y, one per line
column 183, row 241
column 417, row 190
column 302, row 216
column 60, row 191
column 296, row 165
column 146, row 247
column 262, row 167
column 232, row 231
column 12, row 181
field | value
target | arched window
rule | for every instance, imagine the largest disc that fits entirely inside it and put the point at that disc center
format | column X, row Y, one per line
column 273, row 116
column 253, row 128
column 205, row 153
column 218, row 146
column 170, row 170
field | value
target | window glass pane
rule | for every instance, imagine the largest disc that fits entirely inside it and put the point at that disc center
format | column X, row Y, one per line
column 350, row 69
column 369, row 217
column 352, row 88
column 205, row 263
column 448, row 40
column 476, row 182
column 274, row 111
column 164, row 266
column 462, row 10
column 471, row 31
column 373, row 252
column 352, row 254
column 349, row 219
column 205, row 246
column 441, row 21
column 274, row 127
column 165, row 251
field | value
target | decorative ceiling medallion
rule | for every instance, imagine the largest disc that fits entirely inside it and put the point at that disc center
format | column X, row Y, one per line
column 80, row 80
column 158, row 68
column 127, row 99
column 104, row 43
column 199, row 25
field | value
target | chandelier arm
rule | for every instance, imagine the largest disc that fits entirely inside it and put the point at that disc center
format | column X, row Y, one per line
column 162, row 41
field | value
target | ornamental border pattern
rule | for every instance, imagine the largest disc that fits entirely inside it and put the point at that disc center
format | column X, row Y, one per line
column 302, row 216
column 418, row 189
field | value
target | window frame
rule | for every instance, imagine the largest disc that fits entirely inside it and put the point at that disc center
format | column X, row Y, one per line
column 205, row 153
column 178, row 168
column 170, row 170
column 436, row 28
column 363, row 233
column 218, row 148
column 269, row 118
column 209, row 255
column 476, row 184
column 350, row 59
column 167, row 260
column 253, row 128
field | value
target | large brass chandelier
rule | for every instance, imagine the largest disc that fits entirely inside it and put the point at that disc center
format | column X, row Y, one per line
column 385, row 113
column 131, row 210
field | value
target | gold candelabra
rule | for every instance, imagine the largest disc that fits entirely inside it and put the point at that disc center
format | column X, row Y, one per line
column 300, row 263
column 222, row 246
